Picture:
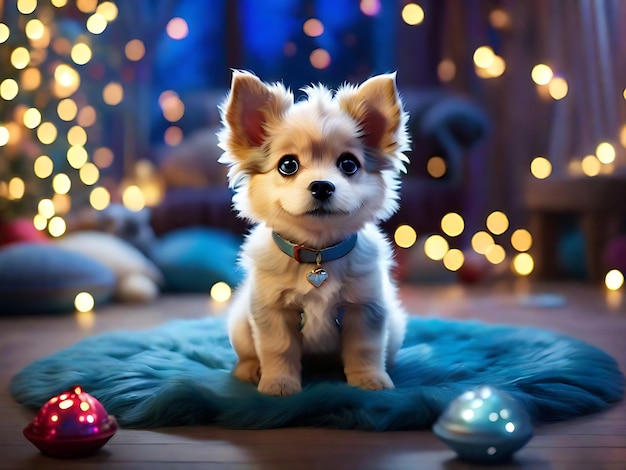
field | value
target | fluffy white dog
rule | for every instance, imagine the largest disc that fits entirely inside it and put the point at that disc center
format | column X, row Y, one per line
column 315, row 176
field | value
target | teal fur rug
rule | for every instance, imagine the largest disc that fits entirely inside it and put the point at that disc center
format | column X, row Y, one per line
column 179, row 374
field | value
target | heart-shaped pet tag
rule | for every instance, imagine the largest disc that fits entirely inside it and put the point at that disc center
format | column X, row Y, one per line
column 317, row 276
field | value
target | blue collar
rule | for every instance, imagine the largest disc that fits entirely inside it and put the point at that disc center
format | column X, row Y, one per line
column 302, row 254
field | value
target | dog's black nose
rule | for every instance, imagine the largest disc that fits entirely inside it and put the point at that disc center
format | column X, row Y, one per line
column 321, row 190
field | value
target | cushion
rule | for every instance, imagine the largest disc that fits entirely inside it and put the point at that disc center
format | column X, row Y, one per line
column 45, row 278
column 194, row 259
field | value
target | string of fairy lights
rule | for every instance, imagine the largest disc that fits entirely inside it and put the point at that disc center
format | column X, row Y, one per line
column 76, row 120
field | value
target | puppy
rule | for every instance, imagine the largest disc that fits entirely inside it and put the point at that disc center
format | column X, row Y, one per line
column 314, row 176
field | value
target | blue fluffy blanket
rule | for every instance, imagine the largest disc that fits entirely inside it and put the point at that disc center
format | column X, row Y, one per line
column 179, row 374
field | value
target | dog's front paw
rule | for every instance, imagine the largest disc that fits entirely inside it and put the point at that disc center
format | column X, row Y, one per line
column 370, row 380
column 248, row 371
column 279, row 385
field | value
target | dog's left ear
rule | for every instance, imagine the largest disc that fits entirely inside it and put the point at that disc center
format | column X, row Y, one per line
column 377, row 107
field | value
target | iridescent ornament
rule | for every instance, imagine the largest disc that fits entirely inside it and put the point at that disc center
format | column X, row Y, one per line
column 484, row 425
column 72, row 424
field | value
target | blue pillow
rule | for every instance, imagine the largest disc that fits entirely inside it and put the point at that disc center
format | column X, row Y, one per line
column 44, row 278
column 194, row 259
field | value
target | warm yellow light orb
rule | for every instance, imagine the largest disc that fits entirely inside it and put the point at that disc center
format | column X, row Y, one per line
column 483, row 57
column 605, row 153
column 541, row 74
column 26, row 7
column 436, row 247
column 558, row 88
column 40, row 222
column 56, row 226
column 5, row 135
column 108, row 10
column 34, row 29
column 113, row 93
column 9, row 89
column 497, row 222
column 96, row 23
column 452, row 224
column 77, row 136
column 412, row 14
column 541, row 167
column 591, row 166
column 32, row 118
column 77, row 156
column 454, row 259
column 67, row 109
column 20, row 58
column 5, row 32
column 30, row 79
column 81, row 53
column 47, row 133
column 133, row 198
column 481, row 241
column 84, row 302
column 220, row 292
column 523, row 264
column 61, row 183
column 446, row 70
column 405, row 236
column 99, row 198
column 495, row 254
column 614, row 279
column 89, row 174
column 521, row 240
column 16, row 188
column 43, row 166
column 46, row 208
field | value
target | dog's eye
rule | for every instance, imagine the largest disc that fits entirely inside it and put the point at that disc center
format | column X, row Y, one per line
column 288, row 165
column 348, row 164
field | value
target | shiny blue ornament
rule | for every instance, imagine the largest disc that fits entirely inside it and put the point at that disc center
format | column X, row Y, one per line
column 484, row 425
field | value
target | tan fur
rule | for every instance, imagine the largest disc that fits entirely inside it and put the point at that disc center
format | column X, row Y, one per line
column 261, row 124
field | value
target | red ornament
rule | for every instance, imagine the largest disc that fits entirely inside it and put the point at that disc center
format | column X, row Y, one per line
column 72, row 424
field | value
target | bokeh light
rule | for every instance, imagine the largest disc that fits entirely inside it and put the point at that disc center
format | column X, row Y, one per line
column 370, row 7
column 56, row 226
column 43, row 166
column 26, row 7
column 605, row 153
column 84, row 302
column 177, row 28
column 497, row 222
column 30, row 79
column 483, row 56
column 481, row 241
column 96, row 23
column 16, row 188
column 452, row 224
column 89, row 174
column 20, row 58
column 5, row 32
column 220, row 292
column 47, row 133
column 454, row 259
column 77, row 156
column 77, row 136
column 541, row 74
column 103, row 157
column 32, row 118
column 135, row 50
column 320, row 58
column 133, row 198
column 9, row 89
column 5, row 135
column 405, row 236
column 558, row 88
column 521, row 240
column 495, row 254
column 46, row 208
column 113, row 93
column 108, row 10
column 614, row 279
column 172, row 106
column 173, row 136
column 34, row 29
column 67, row 109
column 412, row 14
column 436, row 247
column 313, row 27
column 86, row 116
column 590, row 165
column 446, row 70
column 541, row 167
column 523, row 264
column 61, row 183
column 436, row 167
column 99, row 198
column 81, row 53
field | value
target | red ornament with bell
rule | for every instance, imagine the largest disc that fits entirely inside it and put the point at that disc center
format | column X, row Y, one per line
column 72, row 424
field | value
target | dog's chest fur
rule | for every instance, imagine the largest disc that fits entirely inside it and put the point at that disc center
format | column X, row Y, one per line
column 283, row 281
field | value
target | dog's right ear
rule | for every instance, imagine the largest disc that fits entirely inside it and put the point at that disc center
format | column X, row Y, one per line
column 250, row 107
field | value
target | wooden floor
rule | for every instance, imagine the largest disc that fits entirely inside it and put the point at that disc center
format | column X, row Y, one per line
column 592, row 442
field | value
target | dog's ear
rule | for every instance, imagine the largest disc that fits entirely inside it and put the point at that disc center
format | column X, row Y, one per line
column 376, row 106
column 250, row 106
